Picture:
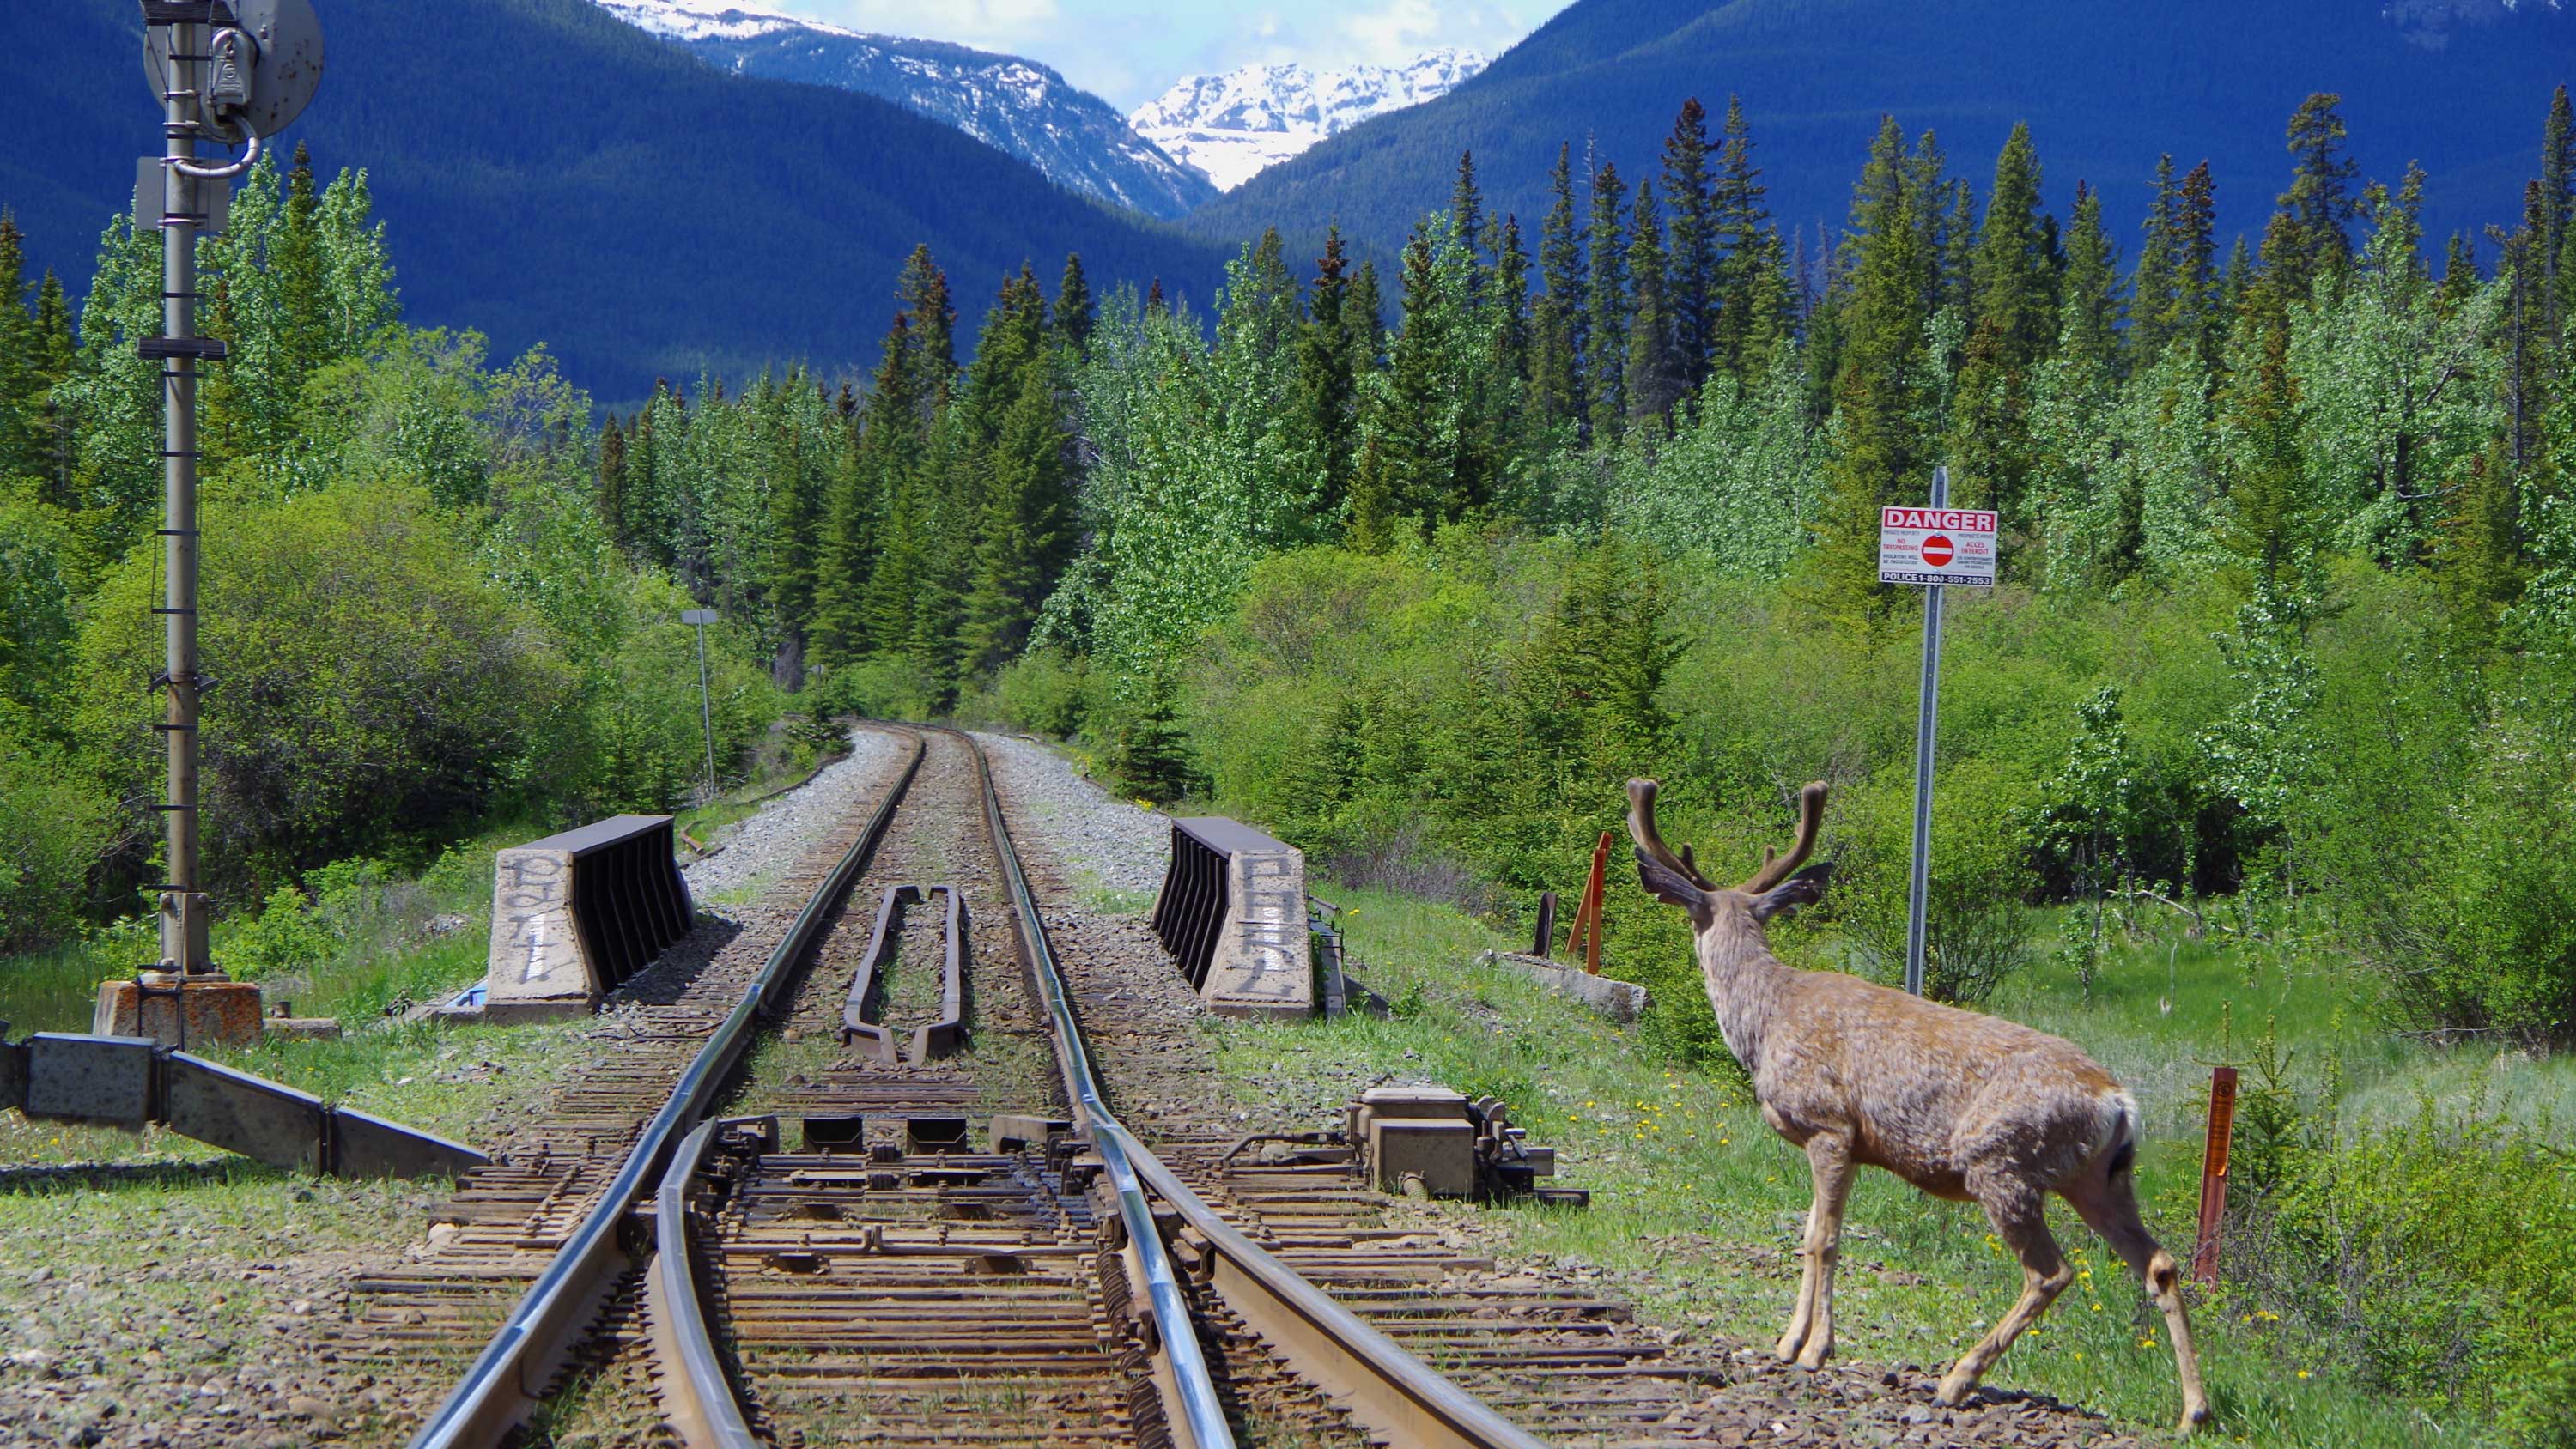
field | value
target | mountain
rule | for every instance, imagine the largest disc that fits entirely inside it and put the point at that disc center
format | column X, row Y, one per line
column 1233, row 125
column 550, row 174
column 1074, row 138
column 2106, row 85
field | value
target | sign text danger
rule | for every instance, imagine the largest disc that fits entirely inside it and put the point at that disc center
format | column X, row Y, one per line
column 1936, row 546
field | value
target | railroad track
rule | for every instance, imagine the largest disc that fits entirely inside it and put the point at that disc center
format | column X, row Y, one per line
column 780, row 1236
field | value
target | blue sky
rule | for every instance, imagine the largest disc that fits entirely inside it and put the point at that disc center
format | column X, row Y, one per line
column 1130, row 51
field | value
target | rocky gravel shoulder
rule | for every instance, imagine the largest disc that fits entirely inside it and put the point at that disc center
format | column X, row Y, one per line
column 752, row 853
column 1110, row 847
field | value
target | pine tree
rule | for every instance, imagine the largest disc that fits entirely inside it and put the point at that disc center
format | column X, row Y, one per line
column 2320, row 205
column 2201, row 311
column 1692, row 282
column 1654, row 379
column 1073, row 307
column 1606, row 307
column 1326, row 385
column 2088, row 311
column 1557, row 393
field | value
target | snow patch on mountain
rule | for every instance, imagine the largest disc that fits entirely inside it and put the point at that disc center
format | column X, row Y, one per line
column 1231, row 126
column 1074, row 138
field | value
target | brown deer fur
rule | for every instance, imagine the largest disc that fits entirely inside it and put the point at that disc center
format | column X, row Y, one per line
column 1963, row 1106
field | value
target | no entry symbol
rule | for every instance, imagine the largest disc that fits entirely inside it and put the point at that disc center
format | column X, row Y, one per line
column 1937, row 550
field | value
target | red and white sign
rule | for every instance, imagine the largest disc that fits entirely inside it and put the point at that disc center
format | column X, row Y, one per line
column 1936, row 546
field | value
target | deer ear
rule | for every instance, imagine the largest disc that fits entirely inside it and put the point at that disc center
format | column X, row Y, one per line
column 1803, row 889
column 1668, row 885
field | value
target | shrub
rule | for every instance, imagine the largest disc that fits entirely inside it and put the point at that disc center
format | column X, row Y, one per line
column 1042, row 691
column 1978, row 928
column 374, row 690
column 286, row 937
column 58, row 825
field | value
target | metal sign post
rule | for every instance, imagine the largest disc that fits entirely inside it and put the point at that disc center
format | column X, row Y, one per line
column 1934, row 547
column 706, row 711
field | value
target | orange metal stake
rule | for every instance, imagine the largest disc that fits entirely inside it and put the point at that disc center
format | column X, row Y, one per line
column 1585, row 939
column 2213, row 1173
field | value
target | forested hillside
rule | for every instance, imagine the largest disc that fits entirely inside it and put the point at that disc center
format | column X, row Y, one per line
column 560, row 177
column 2104, row 87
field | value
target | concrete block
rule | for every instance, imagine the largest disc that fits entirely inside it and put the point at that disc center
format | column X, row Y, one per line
column 370, row 1146
column 305, row 1028
column 536, row 967
column 1441, row 1154
column 214, row 1013
column 1013, row 1130
column 90, row 1078
column 241, row 1113
column 1262, row 965
column 1621, row 1001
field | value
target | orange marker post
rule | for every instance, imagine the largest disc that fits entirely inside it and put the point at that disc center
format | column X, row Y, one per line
column 2213, row 1173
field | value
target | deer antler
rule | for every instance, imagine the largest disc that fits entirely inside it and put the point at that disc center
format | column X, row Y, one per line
column 1650, row 842
column 1811, row 814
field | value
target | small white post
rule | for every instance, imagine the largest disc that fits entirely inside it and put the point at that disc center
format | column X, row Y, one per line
column 706, row 711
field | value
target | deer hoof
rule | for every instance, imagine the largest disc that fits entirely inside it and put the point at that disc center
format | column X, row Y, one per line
column 1816, row 1353
column 1953, row 1390
column 1787, row 1349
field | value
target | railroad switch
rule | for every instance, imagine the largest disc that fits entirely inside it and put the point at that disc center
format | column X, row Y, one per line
column 1435, row 1142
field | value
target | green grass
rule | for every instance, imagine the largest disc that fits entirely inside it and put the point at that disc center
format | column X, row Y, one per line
column 1697, row 1205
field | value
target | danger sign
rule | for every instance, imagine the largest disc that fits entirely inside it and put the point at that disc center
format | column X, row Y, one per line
column 1936, row 546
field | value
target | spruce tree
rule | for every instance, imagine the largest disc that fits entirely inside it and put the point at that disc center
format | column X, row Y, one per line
column 923, row 291
column 612, row 479
column 1364, row 322
column 2270, row 521
column 2200, row 314
column 1654, row 379
column 21, row 392
column 1745, row 326
column 1511, row 302
column 1027, row 531
column 2015, row 330
column 1326, row 385
column 2088, row 312
column 1404, row 467
column 56, row 351
column 1557, row 318
column 2152, row 290
column 2558, row 203
column 1692, row 286
column 2320, row 205
column 1606, row 306
column 1467, row 208
column 1072, row 319
column 1879, row 387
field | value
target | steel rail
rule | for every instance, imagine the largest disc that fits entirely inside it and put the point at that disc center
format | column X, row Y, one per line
column 1388, row 1389
column 697, row 1397
column 1190, row 1386
column 510, row 1376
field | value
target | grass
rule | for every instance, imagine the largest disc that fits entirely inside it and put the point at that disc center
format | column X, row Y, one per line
column 1697, row 1205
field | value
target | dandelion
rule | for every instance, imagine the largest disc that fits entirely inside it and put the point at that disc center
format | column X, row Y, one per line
column 2148, row 1341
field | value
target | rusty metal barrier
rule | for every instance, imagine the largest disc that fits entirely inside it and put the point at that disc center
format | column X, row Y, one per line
column 935, row 1039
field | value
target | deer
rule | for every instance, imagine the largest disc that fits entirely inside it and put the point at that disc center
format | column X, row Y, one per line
column 1964, row 1106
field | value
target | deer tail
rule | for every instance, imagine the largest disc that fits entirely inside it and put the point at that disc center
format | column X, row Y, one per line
column 2117, row 1145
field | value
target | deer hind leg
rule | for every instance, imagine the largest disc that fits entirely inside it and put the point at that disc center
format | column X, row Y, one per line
column 1810, row 1339
column 2110, row 1208
column 2020, row 1216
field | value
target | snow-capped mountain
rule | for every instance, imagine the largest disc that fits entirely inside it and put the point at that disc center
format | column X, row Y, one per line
column 1074, row 138
column 1231, row 126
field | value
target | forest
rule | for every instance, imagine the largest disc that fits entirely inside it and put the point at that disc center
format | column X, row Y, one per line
column 1417, row 568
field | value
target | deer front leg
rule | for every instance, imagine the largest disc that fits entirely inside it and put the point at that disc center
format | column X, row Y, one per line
column 1810, row 1339
column 2020, row 1216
